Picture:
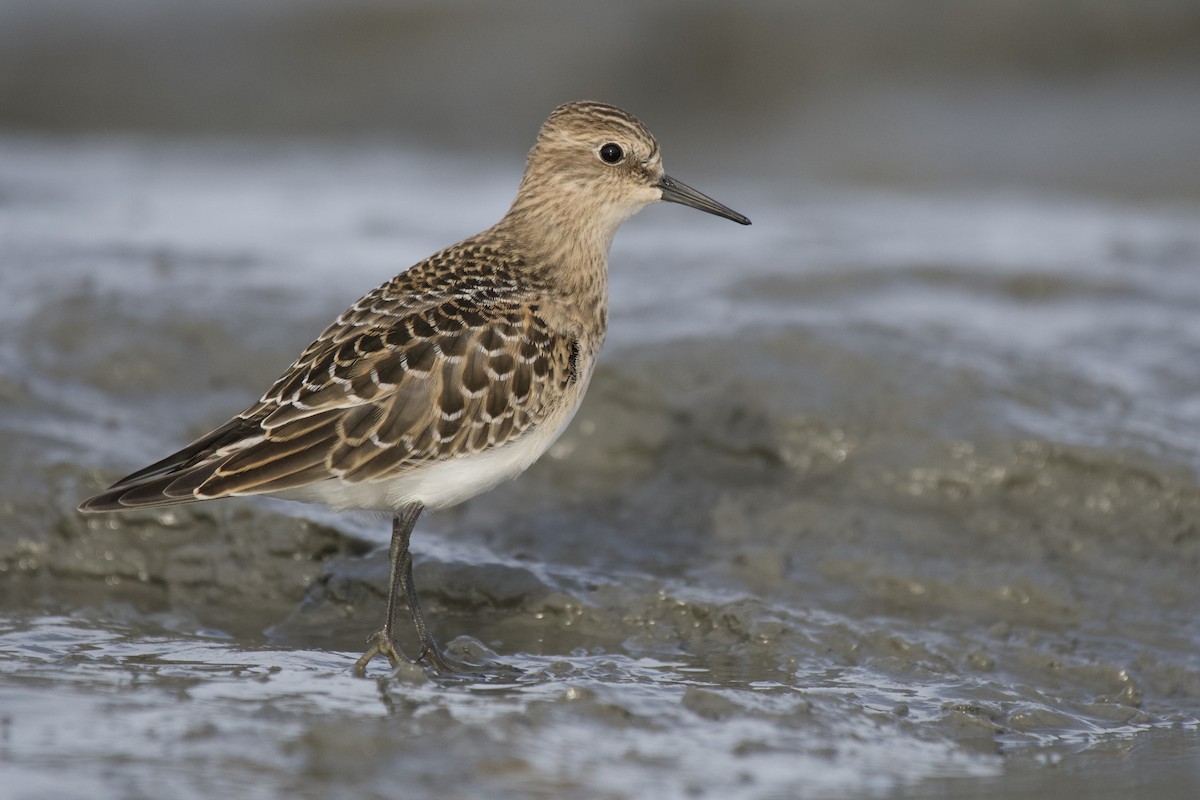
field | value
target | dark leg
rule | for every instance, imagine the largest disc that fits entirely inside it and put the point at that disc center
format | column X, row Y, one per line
column 382, row 642
column 429, row 648
column 400, row 581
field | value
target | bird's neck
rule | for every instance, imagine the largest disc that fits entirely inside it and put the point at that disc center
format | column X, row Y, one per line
column 563, row 244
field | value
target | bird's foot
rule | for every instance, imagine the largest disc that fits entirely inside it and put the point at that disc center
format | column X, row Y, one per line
column 445, row 666
column 452, row 668
column 379, row 643
column 434, row 660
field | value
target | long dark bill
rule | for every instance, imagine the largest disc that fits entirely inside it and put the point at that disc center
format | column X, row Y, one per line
column 674, row 191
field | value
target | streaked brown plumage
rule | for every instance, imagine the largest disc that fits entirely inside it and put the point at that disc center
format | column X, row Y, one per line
column 450, row 358
column 454, row 375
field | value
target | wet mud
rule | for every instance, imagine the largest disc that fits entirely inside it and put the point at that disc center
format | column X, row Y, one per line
column 856, row 507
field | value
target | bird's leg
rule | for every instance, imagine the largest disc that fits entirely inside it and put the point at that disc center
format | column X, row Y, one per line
column 429, row 647
column 400, row 582
column 382, row 641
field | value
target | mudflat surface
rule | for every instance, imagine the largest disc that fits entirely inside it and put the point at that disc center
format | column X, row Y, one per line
column 892, row 494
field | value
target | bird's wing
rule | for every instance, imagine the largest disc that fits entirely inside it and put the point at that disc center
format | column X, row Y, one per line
column 385, row 388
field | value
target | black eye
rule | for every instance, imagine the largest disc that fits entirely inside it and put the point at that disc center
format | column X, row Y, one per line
column 611, row 153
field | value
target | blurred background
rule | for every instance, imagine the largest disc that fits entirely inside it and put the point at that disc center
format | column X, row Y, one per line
column 1088, row 95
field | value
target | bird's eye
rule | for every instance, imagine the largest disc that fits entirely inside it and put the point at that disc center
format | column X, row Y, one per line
column 611, row 153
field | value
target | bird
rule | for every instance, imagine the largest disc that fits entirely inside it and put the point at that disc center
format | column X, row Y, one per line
column 451, row 377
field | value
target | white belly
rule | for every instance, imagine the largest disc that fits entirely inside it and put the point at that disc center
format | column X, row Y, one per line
column 441, row 483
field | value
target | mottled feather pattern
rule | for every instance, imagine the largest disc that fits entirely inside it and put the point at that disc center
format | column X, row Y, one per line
column 447, row 359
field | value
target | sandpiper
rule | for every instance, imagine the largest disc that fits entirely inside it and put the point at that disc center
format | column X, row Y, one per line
column 451, row 377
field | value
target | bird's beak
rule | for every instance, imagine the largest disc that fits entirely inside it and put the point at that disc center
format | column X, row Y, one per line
column 674, row 191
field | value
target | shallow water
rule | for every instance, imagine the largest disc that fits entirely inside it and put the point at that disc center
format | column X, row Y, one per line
column 891, row 494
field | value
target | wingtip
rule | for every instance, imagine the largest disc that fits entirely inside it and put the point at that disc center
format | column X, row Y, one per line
column 98, row 503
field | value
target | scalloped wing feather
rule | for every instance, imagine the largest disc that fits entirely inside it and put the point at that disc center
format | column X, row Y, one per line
column 438, row 362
